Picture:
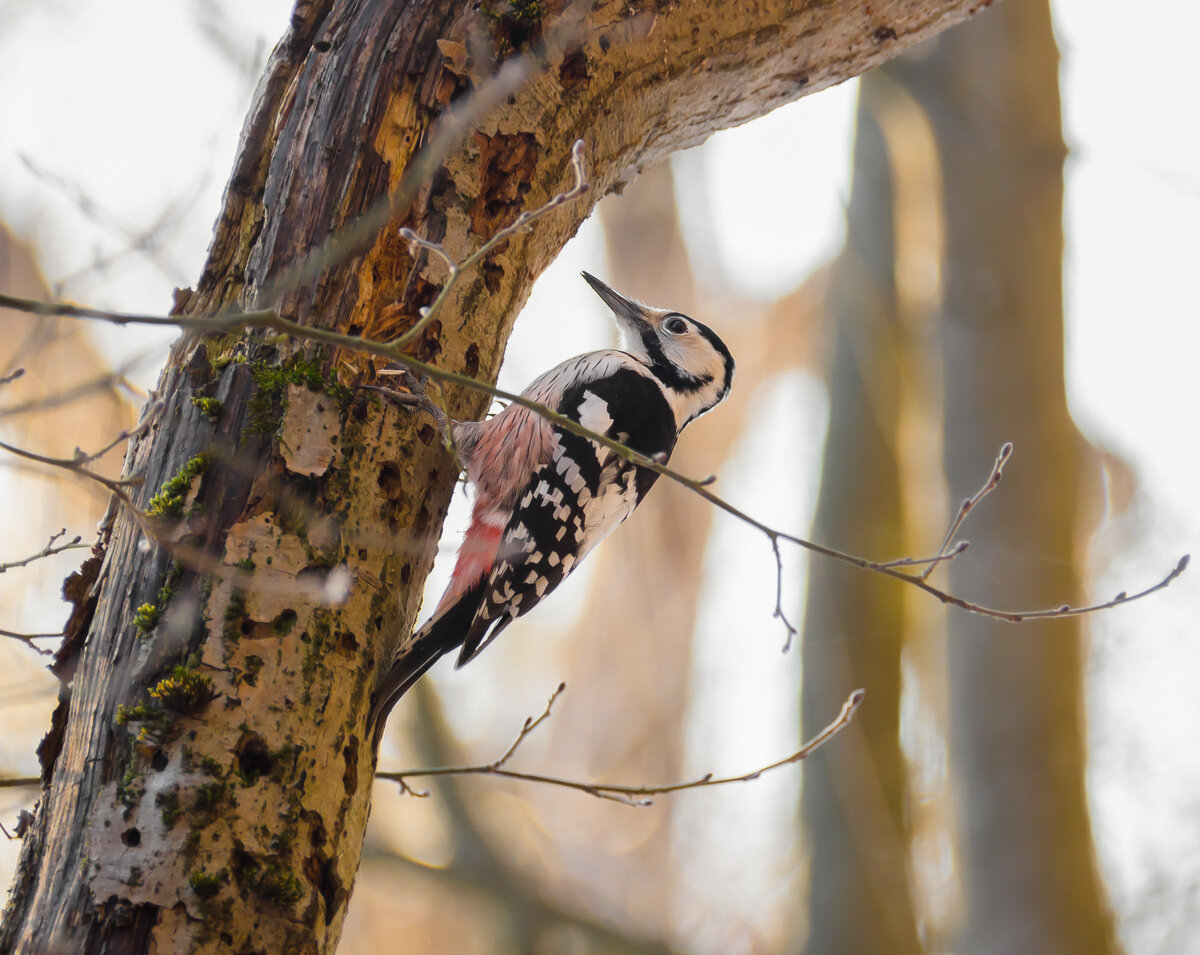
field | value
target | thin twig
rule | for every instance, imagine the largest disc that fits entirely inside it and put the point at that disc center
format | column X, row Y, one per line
column 530, row 725
column 12, row 376
column 78, row 463
column 629, row 795
column 116, row 486
column 959, row 549
column 270, row 320
column 455, row 269
column 18, row 782
column 52, row 547
column 28, row 638
column 110, row 382
column 967, row 506
column 792, row 632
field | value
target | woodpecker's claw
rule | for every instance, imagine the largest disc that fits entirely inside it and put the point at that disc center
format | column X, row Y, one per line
column 402, row 387
column 411, row 391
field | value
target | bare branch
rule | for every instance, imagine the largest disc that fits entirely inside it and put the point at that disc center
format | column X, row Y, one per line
column 28, row 638
column 52, row 547
column 78, row 463
column 19, row 782
column 523, row 221
column 112, row 382
column 117, row 487
column 12, row 376
column 967, row 506
column 530, row 725
column 792, row 632
column 269, row 319
column 138, row 240
column 960, row 548
column 628, row 795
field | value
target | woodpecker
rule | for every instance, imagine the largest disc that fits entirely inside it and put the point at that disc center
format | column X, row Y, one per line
column 544, row 497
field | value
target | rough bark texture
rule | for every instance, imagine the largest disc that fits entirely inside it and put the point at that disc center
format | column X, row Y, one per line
column 855, row 792
column 208, row 787
column 1017, row 733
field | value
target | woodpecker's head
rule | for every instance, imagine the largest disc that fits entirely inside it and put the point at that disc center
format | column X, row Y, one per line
column 687, row 356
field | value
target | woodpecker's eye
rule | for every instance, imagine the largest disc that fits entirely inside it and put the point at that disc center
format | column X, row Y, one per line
column 675, row 325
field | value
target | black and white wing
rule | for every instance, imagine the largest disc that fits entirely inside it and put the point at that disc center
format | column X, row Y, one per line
column 576, row 499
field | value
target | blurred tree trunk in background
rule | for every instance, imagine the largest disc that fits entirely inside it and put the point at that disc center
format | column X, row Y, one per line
column 990, row 95
column 1016, row 722
column 66, row 399
column 855, row 791
column 58, row 359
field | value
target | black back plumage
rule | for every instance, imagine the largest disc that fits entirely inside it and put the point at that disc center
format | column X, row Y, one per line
column 563, row 513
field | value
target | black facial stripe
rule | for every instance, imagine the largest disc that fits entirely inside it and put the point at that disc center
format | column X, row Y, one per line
column 669, row 374
column 715, row 341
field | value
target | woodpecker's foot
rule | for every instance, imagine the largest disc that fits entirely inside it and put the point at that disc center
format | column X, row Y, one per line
column 402, row 387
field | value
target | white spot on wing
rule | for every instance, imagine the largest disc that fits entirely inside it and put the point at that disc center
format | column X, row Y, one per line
column 593, row 414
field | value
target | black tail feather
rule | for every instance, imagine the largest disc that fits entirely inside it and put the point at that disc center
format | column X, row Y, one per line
column 438, row 637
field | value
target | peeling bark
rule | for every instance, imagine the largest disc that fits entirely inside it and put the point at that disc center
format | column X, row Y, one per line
column 213, row 783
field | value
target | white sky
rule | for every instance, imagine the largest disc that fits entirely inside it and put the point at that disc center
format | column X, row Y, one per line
column 139, row 112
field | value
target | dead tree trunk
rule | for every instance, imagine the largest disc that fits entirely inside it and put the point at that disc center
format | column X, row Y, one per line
column 208, row 782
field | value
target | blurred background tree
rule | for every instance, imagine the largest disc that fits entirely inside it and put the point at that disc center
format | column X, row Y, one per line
column 964, row 808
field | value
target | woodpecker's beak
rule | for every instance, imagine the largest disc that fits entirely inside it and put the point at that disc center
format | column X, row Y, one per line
column 626, row 309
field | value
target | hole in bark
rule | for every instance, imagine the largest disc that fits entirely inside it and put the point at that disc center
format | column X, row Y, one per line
column 421, row 521
column 427, row 433
column 121, row 913
column 245, row 867
column 573, row 73
column 471, row 359
column 284, row 623
column 391, row 490
column 348, row 641
column 391, row 481
column 158, row 762
column 330, row 887
column 350, row 776
column 492, row 274
column 253, row 758
column 405, row 573
column 131, row 837
column 604, row 43
column 317, row 836
column 379, row 622
column 507, row 166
